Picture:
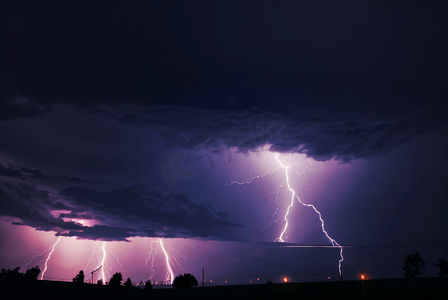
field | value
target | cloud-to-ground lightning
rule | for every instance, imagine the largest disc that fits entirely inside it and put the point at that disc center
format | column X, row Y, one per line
column 49, row 255
column 170, row 274
column 170, row 260
column 103, row 263
column 280, row 238
column 294, row 195
column 101, row 260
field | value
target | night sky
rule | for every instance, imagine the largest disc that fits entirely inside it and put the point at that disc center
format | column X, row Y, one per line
column 129, row 128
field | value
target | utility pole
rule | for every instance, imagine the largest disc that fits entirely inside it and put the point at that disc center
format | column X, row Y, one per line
column 363, row 287
column 203, row 278
column 95, row 271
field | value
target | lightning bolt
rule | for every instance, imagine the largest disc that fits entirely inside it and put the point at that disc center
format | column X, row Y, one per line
column 103, row 263
column 253, row 178
column 101, row 257
column 170, row 274
column 118, row 261
column 175, row 259
column 280, row 238
column 170, row 259
column 91, row 257
column 39, row 255
column 152, row 253
column 49, row 255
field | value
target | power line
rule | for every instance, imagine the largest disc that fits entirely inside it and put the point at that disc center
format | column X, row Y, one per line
column 368, row 246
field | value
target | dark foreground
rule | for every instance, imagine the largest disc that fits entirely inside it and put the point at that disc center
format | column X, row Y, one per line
column 423, row 288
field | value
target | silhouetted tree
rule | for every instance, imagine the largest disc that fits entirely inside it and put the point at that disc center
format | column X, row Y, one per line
column 79, row 278
column 443, row 267
column 128, row 283
column 32, row 273
column 148, row 285
column 185, row 281
column 99, row 282
column 412, row 265
column 116, row 279
column 15, row 276
column 11, row 274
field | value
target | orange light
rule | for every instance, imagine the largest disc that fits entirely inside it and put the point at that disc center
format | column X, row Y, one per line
column 285, row 279
column 362, row 276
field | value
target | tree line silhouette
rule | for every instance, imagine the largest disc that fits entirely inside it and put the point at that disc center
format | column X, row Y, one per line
column 413, row 262
column 180, row 282
column 411, row 267
column 15, row 275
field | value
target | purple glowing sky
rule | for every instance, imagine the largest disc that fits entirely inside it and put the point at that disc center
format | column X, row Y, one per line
column 262, row 206
column 121, row 124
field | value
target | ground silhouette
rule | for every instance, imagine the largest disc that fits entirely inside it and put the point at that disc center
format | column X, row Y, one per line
column 148, row 285
column 128, row 283
column 79, row 278
column 412, row 264
column 116, row 279
column 443, row 267
column 185, row 281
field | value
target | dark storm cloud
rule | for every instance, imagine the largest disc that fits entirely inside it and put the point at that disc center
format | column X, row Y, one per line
column 32, row 206
column 76, row 216
column 220, row 54
column 9, row 172
column 11, row 110
column 334, row 80
column 140, row 207
column 317, row 134
column 37, row 177
column 105, row 233
column 133, row 211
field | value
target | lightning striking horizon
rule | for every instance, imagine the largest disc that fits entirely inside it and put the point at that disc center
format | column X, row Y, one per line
column 168, row 265
column 280, row 238
column 49, row 255
column 103, row 263
column 101, row 259
column 170, row 260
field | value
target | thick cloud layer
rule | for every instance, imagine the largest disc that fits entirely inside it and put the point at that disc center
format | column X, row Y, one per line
column 340, row 81
column 137, row 210
column 95, row 94
column 319, row 136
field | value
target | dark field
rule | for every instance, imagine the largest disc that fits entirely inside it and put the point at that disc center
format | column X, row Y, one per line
column 423, row 288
